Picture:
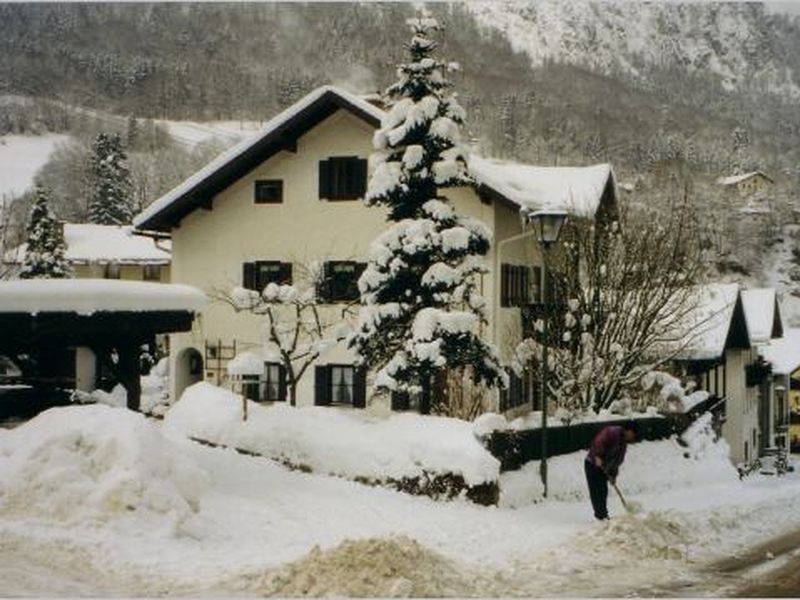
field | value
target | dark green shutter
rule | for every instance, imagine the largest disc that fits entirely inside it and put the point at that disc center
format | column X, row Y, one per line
column 360, row 387
column 249, row 276
column 361, row 177
column 282, row 383
column 322, row 385
column 324, row 179
column 285, row 274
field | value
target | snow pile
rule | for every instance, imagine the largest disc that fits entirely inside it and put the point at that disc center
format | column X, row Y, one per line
column 87, row 296
column 397, row 567
column 116, row 398
column 155, row 389
column 652, row 535
column 649, row 467
column 343, row 443
column 96, row 464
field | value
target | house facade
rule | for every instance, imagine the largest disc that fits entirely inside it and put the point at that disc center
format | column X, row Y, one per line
column 746, row 183
column 288, row 203
column 783, row 355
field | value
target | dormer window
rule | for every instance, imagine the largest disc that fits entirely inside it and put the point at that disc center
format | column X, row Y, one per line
column 342, row 178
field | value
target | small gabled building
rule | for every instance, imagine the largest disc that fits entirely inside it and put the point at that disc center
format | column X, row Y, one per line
column 765, row 327
column 746, row 183
column 718, row 356
column 292, row 195
column 109, row 252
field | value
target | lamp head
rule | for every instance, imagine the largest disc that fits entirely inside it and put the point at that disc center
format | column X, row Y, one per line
column 547, row 225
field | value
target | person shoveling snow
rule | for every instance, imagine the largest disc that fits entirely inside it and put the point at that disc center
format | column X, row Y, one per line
column 606, row 454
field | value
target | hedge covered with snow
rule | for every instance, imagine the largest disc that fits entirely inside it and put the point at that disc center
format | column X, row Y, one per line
column 434, row 456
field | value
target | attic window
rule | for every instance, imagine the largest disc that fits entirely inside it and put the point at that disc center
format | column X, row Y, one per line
column 269, row 191
column 342, row 178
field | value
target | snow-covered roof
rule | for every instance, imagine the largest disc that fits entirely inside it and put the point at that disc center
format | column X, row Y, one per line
column 708, row 324
column 762, row 314
column 88, row 243
column 149, row 218
column 783, row 353
column 576, row 190
column 734, row 179
column 88, row 296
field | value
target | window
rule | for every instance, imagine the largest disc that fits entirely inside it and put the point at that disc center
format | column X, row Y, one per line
column 340, row 384
column 256, row 275
column 273, row 387
column 518, row 392
column 342, row 178
column 152, row 272
column 112, row 271
column 269, row 191
column 340, row 283
column 514, row 285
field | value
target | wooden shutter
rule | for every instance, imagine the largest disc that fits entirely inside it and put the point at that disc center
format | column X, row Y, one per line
column 360, row 169
column 285, row 274
column 322, row 385
column 324, row 179
column 526, row 286
column 282, row 383
column 360, row 387
column 324, row 286
column 249, row 276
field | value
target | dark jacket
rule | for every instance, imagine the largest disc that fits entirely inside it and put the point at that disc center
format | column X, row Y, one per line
column 609, row 445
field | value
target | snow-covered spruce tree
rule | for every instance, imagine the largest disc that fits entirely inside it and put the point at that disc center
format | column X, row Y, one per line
column 110, row 203
column 44, row 255
column 420, row 308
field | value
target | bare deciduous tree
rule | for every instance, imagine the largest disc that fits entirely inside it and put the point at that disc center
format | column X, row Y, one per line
column 623, row 295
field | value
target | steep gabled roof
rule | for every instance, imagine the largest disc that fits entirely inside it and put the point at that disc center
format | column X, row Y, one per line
column 580, row 191
column 716, row 322
column 280, row 133
column 783, row 353
column 763, row 315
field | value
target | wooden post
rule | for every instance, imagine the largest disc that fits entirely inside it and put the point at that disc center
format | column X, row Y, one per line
column 128, row 372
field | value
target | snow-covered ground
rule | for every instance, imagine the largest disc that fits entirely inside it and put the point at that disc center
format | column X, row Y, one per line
column 21, row 156
column 777, row 275
column 192, row 133
column 98, row 500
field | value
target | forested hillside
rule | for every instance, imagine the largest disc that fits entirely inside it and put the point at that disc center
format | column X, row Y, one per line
column 689, row 92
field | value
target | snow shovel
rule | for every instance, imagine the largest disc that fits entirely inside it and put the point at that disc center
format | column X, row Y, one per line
column 633, row 507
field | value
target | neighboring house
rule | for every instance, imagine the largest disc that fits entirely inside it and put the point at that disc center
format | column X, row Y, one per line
column 784, row 356
column 719, row 357
column 110, row 252
column 291, row 195
column 747, row 183
column 765, row 328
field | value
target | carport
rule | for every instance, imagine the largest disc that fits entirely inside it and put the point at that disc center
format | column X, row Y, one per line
column 47, row 318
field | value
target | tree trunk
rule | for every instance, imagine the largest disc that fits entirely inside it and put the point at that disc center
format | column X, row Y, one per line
column 128, row 373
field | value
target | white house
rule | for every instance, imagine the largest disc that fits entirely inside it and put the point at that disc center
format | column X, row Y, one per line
column 291, row 195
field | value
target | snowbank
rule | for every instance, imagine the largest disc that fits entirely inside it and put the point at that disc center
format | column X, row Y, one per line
column 649, row 467
column 344, row 443
column 96, row 464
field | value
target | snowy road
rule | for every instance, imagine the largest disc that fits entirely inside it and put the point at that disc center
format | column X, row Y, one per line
column 100, row 501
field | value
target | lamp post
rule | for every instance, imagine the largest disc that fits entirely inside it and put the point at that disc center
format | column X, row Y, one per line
column 547, row 225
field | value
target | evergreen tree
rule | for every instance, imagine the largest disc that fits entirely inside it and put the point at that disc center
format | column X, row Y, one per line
column 44, row 256
column 110, row 203
column 420, row 308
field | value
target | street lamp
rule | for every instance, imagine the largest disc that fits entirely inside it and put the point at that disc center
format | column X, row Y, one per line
column 547, row 225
